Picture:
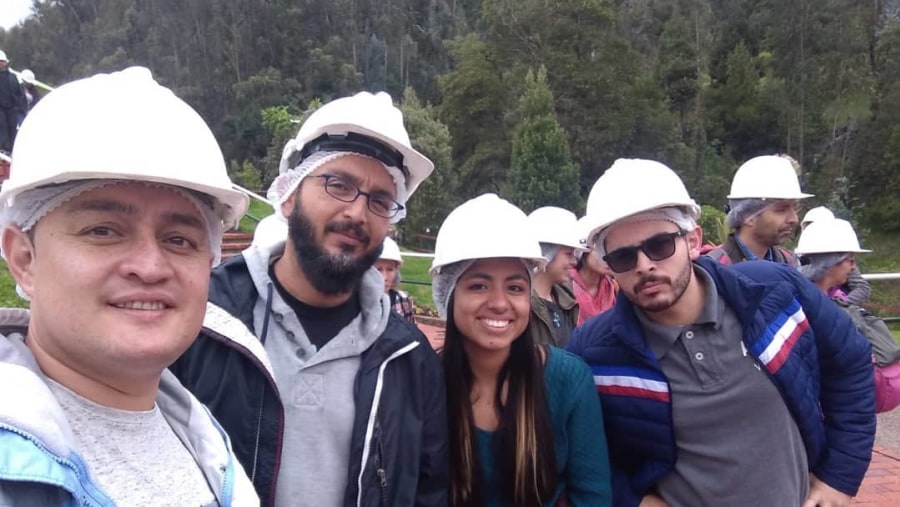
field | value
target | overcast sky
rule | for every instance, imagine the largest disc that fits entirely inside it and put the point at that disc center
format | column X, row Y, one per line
column 13, row 11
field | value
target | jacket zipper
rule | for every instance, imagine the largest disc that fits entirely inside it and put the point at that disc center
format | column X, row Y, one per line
column 246, row 353
column 370, row 426
column 62, row 461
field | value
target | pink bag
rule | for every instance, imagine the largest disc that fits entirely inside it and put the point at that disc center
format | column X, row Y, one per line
column 887, row 387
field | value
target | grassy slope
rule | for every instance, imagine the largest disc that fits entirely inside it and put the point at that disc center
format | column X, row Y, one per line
column 415, row 269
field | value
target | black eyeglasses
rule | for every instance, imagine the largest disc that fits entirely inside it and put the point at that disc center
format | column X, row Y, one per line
column 656, row 248
column 345, row 191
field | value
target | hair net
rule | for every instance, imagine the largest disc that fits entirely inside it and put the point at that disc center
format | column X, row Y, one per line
column 286, row 183
column 815, row 266
column 443, row 283
column 549, row 251
column 34, row 204
column 740, row 210
column 675, row 214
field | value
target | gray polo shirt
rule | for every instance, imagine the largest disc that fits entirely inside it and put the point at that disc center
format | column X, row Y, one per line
column 737, row 443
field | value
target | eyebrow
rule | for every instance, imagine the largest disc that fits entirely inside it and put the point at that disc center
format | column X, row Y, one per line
column 122, row 208
column 486, row 276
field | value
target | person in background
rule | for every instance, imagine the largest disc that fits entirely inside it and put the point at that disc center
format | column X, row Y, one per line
column 338, row 400
column 32, row 95
column 524, row 418
column 270, row 231
column 762, row 211
column 595, row 288
column 12, row 105
column 113, row 247
column 855, row 289
column 827, row 250
column 733, row 385
column 554, row 309
column 388, row 264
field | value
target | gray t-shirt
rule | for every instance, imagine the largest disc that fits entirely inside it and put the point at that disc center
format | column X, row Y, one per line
column 736, row 440
column 135, row 457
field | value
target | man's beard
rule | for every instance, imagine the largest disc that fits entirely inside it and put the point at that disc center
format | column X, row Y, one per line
column 329, row 274
column 679, row 286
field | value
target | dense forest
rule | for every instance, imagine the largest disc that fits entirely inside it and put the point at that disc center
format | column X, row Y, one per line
column 532, row 98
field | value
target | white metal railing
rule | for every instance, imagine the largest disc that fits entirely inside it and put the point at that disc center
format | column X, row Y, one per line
column 252, row 194
column 882, row 276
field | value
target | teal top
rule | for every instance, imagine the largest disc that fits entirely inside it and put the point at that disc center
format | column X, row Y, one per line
column 582, row 461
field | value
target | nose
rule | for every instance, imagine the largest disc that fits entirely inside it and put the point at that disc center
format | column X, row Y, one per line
column 146, row 260
column 792, row 217
column 499, row 301
column 358, row 210
column 644, row 264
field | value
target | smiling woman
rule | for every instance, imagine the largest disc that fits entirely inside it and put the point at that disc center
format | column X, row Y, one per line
column 525, row 417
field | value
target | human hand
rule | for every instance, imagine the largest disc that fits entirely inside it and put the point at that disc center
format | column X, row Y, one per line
column 652, row 501
column 823, row 495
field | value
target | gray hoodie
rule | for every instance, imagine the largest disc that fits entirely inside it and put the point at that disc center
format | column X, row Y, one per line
column 38, row 463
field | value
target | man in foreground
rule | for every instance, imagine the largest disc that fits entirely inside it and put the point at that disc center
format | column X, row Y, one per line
column 739, row 386
column 340, row 401
column 112, row 219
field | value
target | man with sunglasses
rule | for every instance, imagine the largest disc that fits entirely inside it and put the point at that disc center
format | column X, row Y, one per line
column 340, row 401
column 762, row 211
column 738, row 386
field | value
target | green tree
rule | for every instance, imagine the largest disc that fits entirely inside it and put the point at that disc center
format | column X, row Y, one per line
column 542, row 172
column 438, row 195
column 474, row 98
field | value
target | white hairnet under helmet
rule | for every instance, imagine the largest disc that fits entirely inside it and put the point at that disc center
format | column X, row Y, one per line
column 121, row 126
column 391, row 251
column 486, row 227
column 817, row 213
column 767, row 177
column 828, row 236
column 366, row 124
column 633, row 186
column 556, row 226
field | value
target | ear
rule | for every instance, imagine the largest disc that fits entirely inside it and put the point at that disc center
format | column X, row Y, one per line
column 19, row 252
column 694, row 241
column 288, row 206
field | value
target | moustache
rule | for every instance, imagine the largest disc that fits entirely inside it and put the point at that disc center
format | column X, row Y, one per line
column 650, row 279
column 350, row 229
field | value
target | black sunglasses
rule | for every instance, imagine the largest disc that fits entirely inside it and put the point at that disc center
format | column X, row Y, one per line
column 656, row 248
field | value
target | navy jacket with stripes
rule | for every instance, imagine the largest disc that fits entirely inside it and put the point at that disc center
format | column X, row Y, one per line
column 811, row 350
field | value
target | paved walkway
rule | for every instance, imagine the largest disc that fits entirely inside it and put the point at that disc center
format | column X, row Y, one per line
column 881, row 487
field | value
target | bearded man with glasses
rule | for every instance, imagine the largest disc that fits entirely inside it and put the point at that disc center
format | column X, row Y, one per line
column 335, row 400
column 737, row 386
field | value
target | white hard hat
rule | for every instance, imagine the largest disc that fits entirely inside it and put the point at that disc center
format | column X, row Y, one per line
column 358, row 120
column 632, row 186
column 27, row 76
column 556, row 226
column 122, row 126
column 271, row 230
column 584, row 230
column 828, row 236
column 766, row 177
column 485, row 227
column 3, row 56
column 391, row 251
column 817, row 213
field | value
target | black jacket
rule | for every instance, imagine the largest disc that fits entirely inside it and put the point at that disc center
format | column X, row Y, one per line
column 408, row 461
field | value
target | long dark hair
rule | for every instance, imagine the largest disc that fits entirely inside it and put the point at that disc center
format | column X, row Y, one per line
column 523, row 443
